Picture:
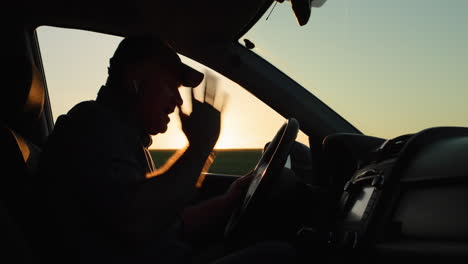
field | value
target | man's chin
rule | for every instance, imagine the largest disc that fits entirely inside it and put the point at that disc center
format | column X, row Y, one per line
column 163, row 129
column 159, row 126
column 159, row 130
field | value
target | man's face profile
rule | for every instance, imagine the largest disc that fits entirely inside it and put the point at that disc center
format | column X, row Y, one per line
column 158, row 94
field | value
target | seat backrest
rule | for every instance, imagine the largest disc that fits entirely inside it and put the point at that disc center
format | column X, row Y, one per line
column 19, row 158
column 23, row 102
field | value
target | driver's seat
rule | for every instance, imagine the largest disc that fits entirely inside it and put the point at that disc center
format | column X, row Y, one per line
column 23, row 101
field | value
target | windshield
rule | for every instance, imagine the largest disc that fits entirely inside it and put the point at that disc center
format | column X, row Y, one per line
column 388, row 67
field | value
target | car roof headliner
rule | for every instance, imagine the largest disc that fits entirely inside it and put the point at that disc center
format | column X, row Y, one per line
column 186, row 25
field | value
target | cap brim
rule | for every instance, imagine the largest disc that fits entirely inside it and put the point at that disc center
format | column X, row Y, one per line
column 190, row 77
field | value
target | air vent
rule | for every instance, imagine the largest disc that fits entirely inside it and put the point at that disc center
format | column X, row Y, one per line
column 390, row 149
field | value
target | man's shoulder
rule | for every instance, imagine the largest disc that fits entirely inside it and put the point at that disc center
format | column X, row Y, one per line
column 86, row 113
column 91, row 123
column 86, row 119
column 85, row 109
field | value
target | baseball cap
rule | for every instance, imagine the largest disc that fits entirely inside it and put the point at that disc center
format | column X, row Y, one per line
column 134, row 49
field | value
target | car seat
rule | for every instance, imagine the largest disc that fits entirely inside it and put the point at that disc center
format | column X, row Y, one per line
column 23, row 102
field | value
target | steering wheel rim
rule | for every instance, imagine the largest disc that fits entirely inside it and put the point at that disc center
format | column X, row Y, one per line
column 268, row 167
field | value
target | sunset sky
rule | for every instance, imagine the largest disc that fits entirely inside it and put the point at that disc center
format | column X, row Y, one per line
column 388, row 67
column 86, row 57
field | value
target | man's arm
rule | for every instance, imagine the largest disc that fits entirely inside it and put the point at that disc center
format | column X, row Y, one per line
column 160, row 199
column 209, row 218
column 173, row 188
column 202, row 129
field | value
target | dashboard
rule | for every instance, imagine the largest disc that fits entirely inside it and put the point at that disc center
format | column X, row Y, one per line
column 373, row 199
column 401, row 197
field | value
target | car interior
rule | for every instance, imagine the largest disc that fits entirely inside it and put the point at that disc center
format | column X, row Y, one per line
column 346, row 196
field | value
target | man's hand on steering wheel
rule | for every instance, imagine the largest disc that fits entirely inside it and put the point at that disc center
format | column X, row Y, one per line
column 236, row 192
column 210, row 216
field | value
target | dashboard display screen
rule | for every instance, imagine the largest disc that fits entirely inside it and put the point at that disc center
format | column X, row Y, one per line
column 360, row 205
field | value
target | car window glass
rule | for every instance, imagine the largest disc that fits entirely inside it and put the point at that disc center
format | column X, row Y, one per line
column 75, row 64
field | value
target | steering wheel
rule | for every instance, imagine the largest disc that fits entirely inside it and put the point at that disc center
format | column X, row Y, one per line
column 267, row 169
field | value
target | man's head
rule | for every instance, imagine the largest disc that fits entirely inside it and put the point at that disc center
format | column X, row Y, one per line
column 149, row 73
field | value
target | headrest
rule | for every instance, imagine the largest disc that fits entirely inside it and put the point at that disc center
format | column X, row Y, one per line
column 23, row 90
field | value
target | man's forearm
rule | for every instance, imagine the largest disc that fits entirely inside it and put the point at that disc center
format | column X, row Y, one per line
column 169, row 193
column 177, row 183
column 192, row 161
column 191, row 158
column 188, row 167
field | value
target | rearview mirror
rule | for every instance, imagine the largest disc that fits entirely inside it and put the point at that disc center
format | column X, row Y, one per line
column 303, row 8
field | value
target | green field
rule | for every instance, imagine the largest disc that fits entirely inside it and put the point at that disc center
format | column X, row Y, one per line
column 232, row 161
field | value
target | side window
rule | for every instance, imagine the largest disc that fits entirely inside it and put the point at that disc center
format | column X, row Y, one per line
column 76, row 64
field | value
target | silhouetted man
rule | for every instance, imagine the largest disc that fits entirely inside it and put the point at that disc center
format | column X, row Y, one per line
column 96, row 169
